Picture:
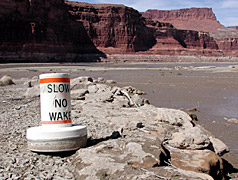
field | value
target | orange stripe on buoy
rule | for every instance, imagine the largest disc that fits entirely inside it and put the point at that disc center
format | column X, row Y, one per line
column 56, row 122
column 55, row 80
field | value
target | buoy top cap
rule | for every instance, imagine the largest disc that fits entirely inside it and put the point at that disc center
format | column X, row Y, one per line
column 54, row 75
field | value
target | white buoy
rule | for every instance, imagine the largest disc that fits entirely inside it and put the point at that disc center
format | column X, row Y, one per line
column 57, row 133
column 55, row 100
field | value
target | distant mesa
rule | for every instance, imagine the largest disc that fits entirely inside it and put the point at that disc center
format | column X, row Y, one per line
column 198, row 19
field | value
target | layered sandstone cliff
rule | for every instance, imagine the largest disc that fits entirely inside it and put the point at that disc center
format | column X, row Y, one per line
column 181, row 42
column 54, row 30
column 113, row 28
column 198, row 19
column 8, row 7
column 49, row 30
column 203, row 20
column 119, row 29
column 40, row 30
column 227, row 40
column 228, row 45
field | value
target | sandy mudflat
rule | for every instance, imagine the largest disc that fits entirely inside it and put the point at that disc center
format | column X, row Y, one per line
column 209, row 87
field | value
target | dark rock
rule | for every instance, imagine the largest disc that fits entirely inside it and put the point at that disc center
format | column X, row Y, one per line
column 115, row 135
column 140, row 125
column 193, row 116
column 30, row 28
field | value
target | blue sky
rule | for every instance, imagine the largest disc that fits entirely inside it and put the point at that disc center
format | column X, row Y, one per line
column 226, row 11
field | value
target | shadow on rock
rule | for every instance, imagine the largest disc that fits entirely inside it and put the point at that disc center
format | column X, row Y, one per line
column 60, row 154
column 228, row 169
column 92, row 142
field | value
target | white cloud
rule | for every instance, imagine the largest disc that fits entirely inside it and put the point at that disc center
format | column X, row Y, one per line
column 148, row 4
column 229, row 4
column 230, row 21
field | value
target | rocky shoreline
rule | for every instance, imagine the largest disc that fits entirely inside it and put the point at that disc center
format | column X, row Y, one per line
column 165, row 58
column 129, row 57
column 128, row 137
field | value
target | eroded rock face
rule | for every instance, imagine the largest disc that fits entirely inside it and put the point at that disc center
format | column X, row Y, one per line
column 119, row 29
column 198, row 28
column 181, row 41
column 41, row 30
column 10, row 6
column 55, row 30
column 113, row 28
column 204, row 161
column 198, row 19
column 229, row 45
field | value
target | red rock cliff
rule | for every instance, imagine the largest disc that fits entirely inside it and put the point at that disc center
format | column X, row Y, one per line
column 41, row 30
column 113, row 28
column 10, row 6
column 48, row 30
column 198, row 19
column 229, row 46
column 170, row 40
column 14, row 24
column 227, row 40
column 119, row 29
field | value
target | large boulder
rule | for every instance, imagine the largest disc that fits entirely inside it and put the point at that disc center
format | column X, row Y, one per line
column 203, row 161
column 78, row 94
column 174, row 117
column 220, row 148
column 81, row 83
column 191, row 138
column 33, row 91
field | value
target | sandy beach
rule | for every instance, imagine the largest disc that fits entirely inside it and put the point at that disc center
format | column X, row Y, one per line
column 209, row 89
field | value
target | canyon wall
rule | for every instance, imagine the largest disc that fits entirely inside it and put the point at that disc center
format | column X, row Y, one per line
column 172, row 41
column 119, row 29
column 113, row 28
column 58, row 30
column 229, row 46
column 41, row 30
column 204, row 21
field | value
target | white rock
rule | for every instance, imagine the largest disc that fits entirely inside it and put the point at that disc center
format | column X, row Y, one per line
column 219, row 147
column 93, row 89
column 191, row 138
column 33, row 91
column 174, row 117
column 111, row 82
column 100, row 96
column 103, row 87
column 100, row 80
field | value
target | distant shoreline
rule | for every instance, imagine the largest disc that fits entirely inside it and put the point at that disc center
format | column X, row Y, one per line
column 80, row 58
